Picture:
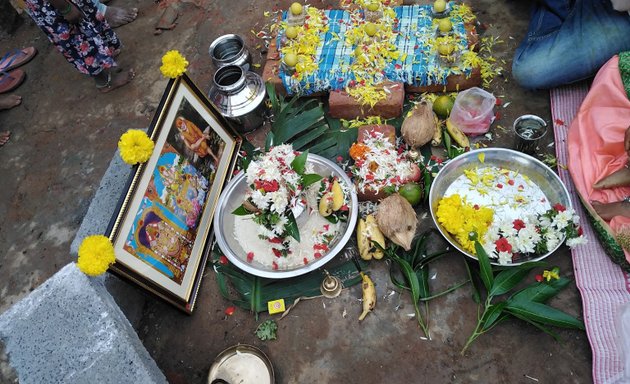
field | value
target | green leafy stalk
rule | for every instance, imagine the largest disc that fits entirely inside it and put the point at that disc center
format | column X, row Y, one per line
column 527, row 304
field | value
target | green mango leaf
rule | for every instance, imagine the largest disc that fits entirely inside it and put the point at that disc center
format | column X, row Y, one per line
column 310, row 179
column 241, row 211
column 291, row 227
column 540, row 292
column 485, row 268
column 299, row 163
column 509, row 278
column 544, row 314
column 269, row 141
column 492, row 314
column 538, row 325
column 476, row 296
column 423, row 280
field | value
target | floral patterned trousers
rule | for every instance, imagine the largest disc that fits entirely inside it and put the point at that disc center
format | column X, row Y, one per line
column 88, row 45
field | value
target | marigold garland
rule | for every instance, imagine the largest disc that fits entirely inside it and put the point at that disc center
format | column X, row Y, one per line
column 96, row 254
column 173, row 64
column 135, row 146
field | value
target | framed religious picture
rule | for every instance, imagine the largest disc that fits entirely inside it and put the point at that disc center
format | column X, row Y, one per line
column 162, row 229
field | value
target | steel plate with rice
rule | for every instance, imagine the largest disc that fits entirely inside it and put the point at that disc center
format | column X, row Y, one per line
column 237, row 236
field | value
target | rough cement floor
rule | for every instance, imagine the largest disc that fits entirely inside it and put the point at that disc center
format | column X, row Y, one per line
column 65, row 133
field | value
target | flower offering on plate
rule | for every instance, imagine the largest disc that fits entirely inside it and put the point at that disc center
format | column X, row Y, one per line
column 295, row 213
column 380, row 164
column 517, row 207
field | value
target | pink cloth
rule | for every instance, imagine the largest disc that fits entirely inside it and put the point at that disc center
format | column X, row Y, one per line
column 595, row 139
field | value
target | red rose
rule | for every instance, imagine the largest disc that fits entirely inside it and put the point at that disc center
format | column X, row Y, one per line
column 518, row 224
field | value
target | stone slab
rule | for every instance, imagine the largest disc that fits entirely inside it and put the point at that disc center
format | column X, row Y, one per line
column 104, row 202
column 70, row 330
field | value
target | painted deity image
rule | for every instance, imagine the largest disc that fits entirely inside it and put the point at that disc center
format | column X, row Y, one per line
column 165, row 225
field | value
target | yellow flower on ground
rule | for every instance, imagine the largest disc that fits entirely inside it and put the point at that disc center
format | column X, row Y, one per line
column 96, row 254
column 173, row 64
column 548, row 275
column 135, row 146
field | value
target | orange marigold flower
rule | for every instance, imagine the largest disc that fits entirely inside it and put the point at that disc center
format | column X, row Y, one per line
column 358, row 151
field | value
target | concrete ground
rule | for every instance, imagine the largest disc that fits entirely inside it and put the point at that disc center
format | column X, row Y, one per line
column 65, row 133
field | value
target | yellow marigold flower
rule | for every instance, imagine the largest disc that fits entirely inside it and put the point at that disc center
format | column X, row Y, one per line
column 96, row 254
column 135, row 146
column 173, row 64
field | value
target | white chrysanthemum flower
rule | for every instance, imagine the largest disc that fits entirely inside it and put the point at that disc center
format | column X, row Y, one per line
column 562, row 219
column 544, row 222
column 505, row 258
column 507, row 228
column 260, row 199
column 278, row 228
column 574, row 242
column 490, row 249
column 552, row 239
column 279, row 200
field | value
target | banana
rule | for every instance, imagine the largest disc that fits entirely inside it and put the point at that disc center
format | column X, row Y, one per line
column 368, row 232
column 369, row 295
column 437, row 137
column 326, row 204
column 460, row 137
column 337, row 194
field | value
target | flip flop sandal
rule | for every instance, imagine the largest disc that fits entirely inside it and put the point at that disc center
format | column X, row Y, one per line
column 16, row 58
column 11, row 80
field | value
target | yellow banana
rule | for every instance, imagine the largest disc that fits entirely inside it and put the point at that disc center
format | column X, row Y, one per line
column 326, row 204
column 368, row 232
column 369, row 295
column 460, row 137
column 437, row 137
column 337, row 194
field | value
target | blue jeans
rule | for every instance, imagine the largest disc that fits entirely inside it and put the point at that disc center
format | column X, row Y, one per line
column 568, row 41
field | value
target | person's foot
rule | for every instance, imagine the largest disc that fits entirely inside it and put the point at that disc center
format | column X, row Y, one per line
column 116, row 79
column 9, row 101
column 4, row 137
column 609, row 210
column 116, row 16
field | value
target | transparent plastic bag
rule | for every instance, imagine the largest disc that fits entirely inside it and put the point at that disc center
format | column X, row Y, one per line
column 473, row 111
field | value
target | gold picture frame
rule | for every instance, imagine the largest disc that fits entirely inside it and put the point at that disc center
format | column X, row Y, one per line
column 162, row 229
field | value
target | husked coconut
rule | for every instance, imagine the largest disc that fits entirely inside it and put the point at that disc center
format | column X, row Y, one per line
column 397, row 220
column 419, row 127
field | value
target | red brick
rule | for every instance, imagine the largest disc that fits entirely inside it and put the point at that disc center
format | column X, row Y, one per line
column 454, row 83
column 343, row 106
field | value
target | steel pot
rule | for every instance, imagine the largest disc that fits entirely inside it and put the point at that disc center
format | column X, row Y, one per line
column 230, row 50
column 239, row 96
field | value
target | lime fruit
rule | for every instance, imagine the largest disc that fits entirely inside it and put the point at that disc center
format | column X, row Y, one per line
column 439, row 6
column 412, row 192
column 445, row 25
column 445, row 49
column 291, row 32
column 442, row 106
column 372, row 7
column 370, row 29
column 290, row 59
column 296, row 9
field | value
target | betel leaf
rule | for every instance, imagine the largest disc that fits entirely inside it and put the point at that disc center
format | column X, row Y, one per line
column 299, row 163
column 509, row 278
column 291, row 226
column 541, row 292
column 544, row 314
column 241, row 211
column 485, row 268
column 310, row 179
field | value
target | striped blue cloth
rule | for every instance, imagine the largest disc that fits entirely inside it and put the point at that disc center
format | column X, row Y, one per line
column 415, row 66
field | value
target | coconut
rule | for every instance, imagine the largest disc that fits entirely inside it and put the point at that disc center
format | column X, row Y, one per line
column 397, row 220
column 420, row 126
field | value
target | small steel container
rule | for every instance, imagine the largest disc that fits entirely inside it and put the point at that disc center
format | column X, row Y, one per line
column 239, row 95
column 230, row 50
column 528, row 130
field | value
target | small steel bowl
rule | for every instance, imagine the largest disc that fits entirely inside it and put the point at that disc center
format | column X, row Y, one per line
column 244, row 364
column 546, row 179
column 233, row 196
